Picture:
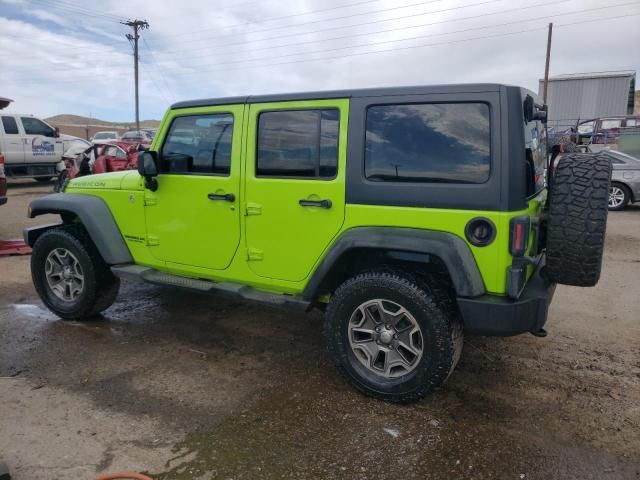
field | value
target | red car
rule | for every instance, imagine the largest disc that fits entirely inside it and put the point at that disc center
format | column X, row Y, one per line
column 101, row 158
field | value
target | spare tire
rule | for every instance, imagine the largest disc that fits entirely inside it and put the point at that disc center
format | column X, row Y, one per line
column 578, row 201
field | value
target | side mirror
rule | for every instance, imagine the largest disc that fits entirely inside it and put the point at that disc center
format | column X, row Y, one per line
column 148, row 168
column 541, row 114
column 56, row 132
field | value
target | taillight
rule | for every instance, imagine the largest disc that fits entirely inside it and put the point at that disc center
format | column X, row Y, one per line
column 1, row 165
column 519, row 235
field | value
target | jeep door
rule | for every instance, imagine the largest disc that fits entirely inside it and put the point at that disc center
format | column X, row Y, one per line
column 295, row 184
column 193, row 218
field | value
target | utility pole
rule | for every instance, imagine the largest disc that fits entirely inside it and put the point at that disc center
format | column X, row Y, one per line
column 546, row 66
column 136, row 25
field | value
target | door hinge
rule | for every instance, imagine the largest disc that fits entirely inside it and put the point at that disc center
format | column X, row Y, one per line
column 150, row 199
column 254, row 254
column 152, row 240
column 253, row 209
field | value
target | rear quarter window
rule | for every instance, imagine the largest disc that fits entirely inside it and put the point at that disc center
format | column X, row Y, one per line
column 428, row 142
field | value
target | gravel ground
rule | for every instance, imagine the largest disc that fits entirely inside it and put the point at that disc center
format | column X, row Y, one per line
column 185, row 386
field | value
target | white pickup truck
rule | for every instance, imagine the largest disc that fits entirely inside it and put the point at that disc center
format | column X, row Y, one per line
column 31, row 147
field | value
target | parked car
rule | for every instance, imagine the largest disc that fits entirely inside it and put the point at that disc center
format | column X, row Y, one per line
column 3, row 181
column 31, row 147
column 601, row 133
column 150, row 131
column 625, row 179
column 105, row 137
column 433, row 221
column 101, row 158
column 138, row 137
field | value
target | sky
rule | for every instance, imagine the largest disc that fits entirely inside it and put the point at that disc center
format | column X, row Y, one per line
column 63, row 56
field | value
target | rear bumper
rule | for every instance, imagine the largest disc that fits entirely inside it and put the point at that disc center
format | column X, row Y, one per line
column 492, row 315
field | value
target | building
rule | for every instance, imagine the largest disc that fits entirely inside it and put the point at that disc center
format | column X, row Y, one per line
column 583, row 96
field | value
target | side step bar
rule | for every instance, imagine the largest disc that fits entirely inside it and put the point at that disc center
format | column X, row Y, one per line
column 149, row 275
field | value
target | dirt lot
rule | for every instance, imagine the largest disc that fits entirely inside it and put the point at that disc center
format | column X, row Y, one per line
column 194, row 387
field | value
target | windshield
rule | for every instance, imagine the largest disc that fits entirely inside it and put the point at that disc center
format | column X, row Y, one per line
column 104, row 135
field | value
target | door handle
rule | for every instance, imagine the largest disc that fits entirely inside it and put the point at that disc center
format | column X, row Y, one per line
column 315, row 203
column 227, row 197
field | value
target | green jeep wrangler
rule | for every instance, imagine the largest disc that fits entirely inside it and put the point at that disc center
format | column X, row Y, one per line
column 408, row 215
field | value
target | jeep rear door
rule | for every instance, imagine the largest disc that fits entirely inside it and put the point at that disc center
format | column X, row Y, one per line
column 295, row 184
column 193, row 218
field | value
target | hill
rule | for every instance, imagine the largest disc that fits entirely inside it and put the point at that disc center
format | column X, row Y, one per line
column 85, row 127
column 67, row 119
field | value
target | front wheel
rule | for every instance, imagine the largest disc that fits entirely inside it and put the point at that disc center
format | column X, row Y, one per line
column 619, row 197
column 391, row 336
column 69, row 274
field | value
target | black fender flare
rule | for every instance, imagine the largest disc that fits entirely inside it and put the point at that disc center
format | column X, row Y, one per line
column 95, row 216
column 450, row 248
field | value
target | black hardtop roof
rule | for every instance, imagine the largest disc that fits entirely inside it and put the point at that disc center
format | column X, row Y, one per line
column 353, row 93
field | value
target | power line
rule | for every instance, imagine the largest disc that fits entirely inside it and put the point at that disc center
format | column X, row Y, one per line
column 78, row 9
column 272, row 19
column 157, row 67
column 411, row 47
column 384, row 42
column 342, row 37
column 342, row 17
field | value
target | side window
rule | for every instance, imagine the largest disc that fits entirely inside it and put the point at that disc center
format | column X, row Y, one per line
column 633, row 122
column 119, row 153
column 535, row 139
column 10, row 125
column 198, row 144
column 586, row 128
column 610, row 123
column 33, row 126
column 298, row 143
column 428, row 142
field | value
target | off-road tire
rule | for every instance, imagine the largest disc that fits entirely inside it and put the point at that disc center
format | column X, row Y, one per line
column 578, row 207
column 627, row 197
column 434, row 311
column 100, row 285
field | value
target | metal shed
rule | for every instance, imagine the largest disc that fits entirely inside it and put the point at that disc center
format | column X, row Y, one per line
column 590, row 95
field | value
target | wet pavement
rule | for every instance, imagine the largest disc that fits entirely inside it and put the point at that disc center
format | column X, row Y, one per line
column 190, row 386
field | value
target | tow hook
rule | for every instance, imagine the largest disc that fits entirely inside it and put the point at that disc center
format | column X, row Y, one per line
column 540, row 333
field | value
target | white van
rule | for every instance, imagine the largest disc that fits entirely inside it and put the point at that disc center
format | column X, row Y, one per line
column 30, row 146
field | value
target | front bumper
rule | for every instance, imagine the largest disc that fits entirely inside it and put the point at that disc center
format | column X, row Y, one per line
column 493, row 315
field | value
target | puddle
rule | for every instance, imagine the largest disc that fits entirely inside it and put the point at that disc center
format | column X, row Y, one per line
column 33, row 311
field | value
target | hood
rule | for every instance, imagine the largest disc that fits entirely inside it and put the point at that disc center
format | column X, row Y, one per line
column 124, row 180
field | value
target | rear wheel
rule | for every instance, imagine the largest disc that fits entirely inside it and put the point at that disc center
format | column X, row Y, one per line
column 619, row 197
column 69, row 274
column 391, row 336
column 578, row 202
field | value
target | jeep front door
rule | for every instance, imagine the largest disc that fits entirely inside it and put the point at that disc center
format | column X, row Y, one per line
column 193, row 217
column 295, row 184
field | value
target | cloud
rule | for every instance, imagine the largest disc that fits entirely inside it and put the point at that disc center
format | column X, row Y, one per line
column 49, row 17
column 86, row 65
